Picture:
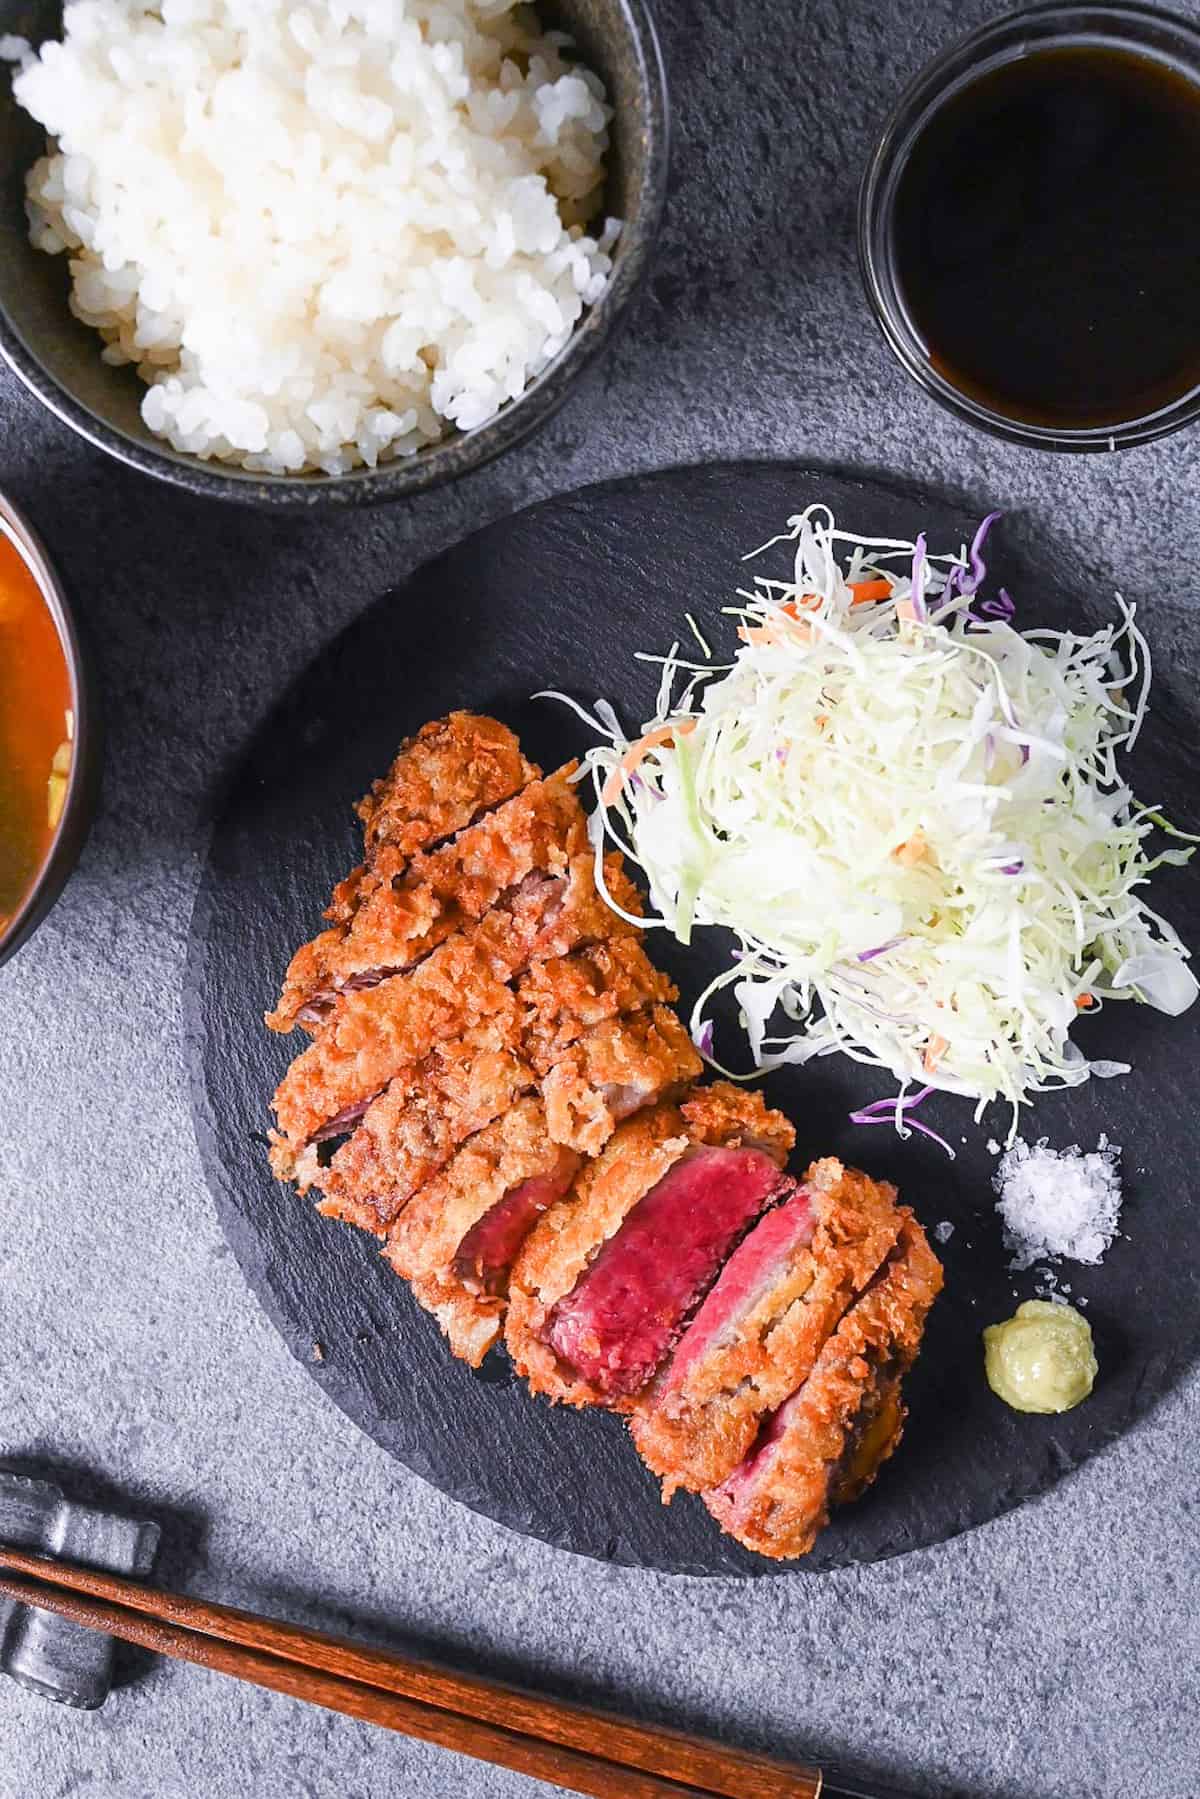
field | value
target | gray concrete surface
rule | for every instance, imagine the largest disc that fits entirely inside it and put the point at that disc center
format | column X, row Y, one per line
column 1051, row 1654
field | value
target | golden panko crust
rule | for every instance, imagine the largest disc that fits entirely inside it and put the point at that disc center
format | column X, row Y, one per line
column 453, row 769
column 374, row 1032
column 423, row 1244
column 694, row 1427
column 432, row 1107
column 845, row 1419
column 419, row 1120
column 728, row 1114
column 567, row 995
column 616, row 1069
column 404, row 907
column 570, row 1236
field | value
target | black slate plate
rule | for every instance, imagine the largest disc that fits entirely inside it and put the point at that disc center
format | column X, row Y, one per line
column 562, row 595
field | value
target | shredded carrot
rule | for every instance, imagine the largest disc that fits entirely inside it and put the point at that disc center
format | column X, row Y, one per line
column 862, row 591
column 913, row 849
column 771, row 633
column 1084, row 1002
column 935, row 1049
column 636, row 754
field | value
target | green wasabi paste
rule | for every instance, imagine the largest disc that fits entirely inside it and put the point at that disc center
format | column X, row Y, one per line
column 1040, row 1360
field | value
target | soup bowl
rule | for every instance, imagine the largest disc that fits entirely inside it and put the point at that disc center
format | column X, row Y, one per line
column 78, row 798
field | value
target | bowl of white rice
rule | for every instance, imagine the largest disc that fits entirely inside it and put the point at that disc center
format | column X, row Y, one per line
column 335, row 251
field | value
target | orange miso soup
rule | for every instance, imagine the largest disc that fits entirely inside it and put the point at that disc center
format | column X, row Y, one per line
column 37, row 729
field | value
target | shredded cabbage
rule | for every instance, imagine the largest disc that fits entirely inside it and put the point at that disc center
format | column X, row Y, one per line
column 910, row 816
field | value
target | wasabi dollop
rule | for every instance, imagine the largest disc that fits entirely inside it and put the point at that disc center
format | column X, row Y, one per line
column 1041, row 1359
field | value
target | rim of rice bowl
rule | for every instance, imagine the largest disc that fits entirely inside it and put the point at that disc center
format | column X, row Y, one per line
column 477, row 417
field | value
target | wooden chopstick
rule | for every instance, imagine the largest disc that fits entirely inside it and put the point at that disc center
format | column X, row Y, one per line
column 551, row 1739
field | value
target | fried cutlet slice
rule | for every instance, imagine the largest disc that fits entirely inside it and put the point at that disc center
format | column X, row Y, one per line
column 563, row 997
column 442, row 780
column 414, row 1127
column 458, row 1236
column 826, row 1443
column 457, row 1239
column 607, row 1280
column 376, row 1032
column 429, row 1109
column 764, row 1323
column 403, row 907
column 614, row 1071
column 454, row 769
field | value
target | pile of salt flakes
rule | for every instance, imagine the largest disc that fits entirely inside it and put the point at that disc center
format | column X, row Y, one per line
column 1058, row 1203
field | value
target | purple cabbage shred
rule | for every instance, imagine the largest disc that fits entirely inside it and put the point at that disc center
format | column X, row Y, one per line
column 978, row 573
column 869, row 955
column 883, row 1111
column 918, row 579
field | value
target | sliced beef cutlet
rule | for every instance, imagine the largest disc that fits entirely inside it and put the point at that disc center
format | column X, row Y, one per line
column 457, row 1238
column 608, row 1279
column 763, row 1325
column 401, row 907
column 376, row 1032
column 454, row 769
column 431, row 1108
column 442, row 780
column 613, row 1071
column 456, row 1241
column 826, row 1442
column 425, row 1113
column 519, row 1124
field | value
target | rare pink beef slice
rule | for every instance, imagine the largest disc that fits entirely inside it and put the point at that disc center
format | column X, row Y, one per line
column 745, row 1279
column 489, row 1249
column 630, row 1307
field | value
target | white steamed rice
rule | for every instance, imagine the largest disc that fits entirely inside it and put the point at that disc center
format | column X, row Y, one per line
column 323, row 233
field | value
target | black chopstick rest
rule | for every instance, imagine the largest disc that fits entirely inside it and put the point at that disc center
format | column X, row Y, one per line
column 49, row 1655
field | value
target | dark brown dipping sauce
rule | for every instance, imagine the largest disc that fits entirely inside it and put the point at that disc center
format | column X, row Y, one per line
column 35, row 748
column 1047, row 238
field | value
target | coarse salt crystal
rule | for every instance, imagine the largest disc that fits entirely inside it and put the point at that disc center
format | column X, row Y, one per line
column 1055, row 1203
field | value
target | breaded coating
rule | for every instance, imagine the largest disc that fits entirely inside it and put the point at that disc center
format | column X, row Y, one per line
column 374, row 1033
column 724, row 1113
column 613, row 1071
column 404, row 907
column 429, row 1109
column 512, row 1156
column 441, row 780
column 638, row 1155
column 567, row 995
column 764, row 1323
column 828, row 1440
column 411, row 1131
